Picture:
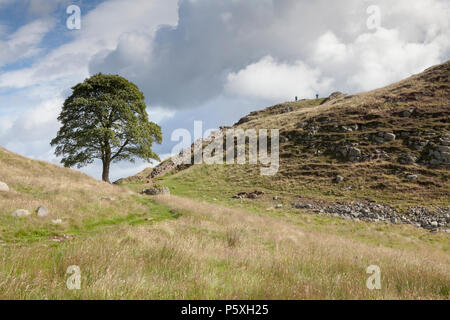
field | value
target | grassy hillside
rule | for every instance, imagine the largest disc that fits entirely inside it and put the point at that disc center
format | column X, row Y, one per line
column 140, row 247
column 345, row 136
column 201, row 243
column 83, row 204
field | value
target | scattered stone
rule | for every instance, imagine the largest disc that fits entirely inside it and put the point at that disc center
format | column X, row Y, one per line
column 298, row 205
column 278, row 206
column 21, row 213
column 42, row 211
column 407, row 113
column 436, row 219
column 412, row 177
column 276, row 198
column 57, row 221
column 154, row 191
column 338, row 179
column 4, row 187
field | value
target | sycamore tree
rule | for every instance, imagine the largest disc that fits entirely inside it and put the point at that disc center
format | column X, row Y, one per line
column 105, row 118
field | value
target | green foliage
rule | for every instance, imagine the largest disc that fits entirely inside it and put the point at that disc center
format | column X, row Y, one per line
column 105, row 118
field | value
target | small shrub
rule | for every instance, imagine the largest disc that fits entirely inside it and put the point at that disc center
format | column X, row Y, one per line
column 233, row 237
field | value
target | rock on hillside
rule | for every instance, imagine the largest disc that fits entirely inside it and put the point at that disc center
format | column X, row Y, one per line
column 4, row 187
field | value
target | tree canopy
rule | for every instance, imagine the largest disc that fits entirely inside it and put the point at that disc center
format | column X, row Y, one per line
column 105, row 118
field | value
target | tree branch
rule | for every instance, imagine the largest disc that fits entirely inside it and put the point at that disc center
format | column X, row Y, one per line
column 120, row 150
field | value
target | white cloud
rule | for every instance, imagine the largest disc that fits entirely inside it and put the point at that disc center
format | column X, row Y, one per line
column 24, row 42
column 35, row 124
column 191, row 64
column 102, row 29
column 275, row 81
column 375, row 59
column 223, row 57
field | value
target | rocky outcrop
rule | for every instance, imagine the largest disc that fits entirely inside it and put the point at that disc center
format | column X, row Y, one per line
column 406, row 158
column 178, row 162
column 437, row 219
column 333, row 96
column 439, row 153
column 243, row 120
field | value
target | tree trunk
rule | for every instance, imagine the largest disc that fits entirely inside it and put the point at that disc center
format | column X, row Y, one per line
column 106, row 162
column 105, row 174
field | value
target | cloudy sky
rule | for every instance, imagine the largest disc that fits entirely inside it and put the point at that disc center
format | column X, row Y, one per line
column 204, row 60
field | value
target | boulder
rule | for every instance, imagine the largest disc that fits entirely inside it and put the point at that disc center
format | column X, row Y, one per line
column 21, row 213
column 407, row 113
column 412, row 177
column 406, row 158
column 42, row 211
column 354, row 154
column 388, row 136
column 4, row 187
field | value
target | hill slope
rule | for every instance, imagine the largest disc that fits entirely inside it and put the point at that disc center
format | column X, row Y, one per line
column 131, row 246
column 196, row 250
column 76, row 203
column 389, row 146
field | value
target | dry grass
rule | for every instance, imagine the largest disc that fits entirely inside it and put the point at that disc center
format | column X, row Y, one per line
column 69, row 195
column 191, row 258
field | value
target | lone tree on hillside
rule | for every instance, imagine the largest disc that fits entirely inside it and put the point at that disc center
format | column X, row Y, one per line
column 105, row 118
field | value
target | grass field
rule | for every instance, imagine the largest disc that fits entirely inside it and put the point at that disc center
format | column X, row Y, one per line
column 136, row 247
column 214, row 252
